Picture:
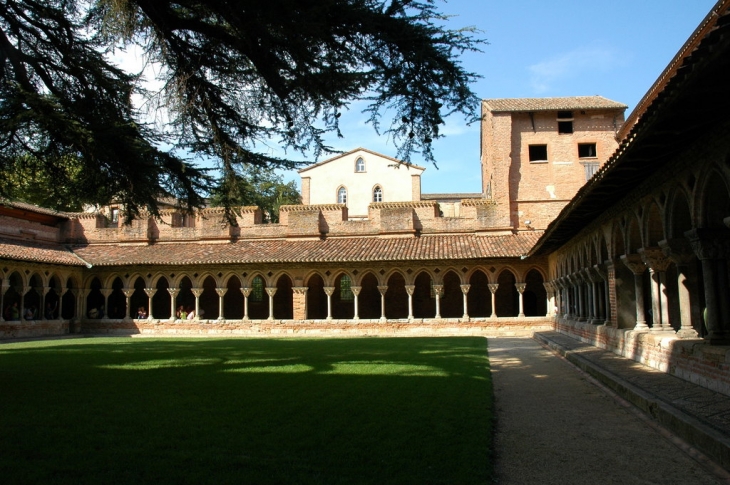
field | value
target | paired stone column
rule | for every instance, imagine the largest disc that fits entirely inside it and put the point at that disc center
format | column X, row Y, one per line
column 105, row 293
column 196, row 293
column 680, row 252
column 150, row 293
column 42, row 309
column 246, row 293
column 5, row 286
column 173, row 301
column 493, row 290
column 465, row 291
column 438, row 290
column 382, row 289
column 550, row 303
column 271, row 291
column 128, row 292
column 410, row 289
column 329, row 291
column 521, row 289
column 81, row 301
column 221, row 292
column 356, row 293
column 658, row 263
column 711, row 248
column 637, row 266
column 604, row 301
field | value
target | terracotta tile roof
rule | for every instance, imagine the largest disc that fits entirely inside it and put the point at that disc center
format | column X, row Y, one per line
column 330, row 250
column 23, row 206
column 552, row 104
column 41, row 253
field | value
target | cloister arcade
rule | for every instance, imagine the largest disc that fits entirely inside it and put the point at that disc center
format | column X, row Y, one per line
column 277, row 293
column 657, row 262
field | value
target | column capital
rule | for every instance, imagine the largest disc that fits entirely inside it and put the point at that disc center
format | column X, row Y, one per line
column 601, row 272
column 246, row 291
column 106, row 291
column 549, row 288
column 465, row 288
column 382, row 289
column 221, row 291
column 654, row 258
column 709, row 243
column 356, row 290
column 128, row 292
column 329, row 290
column 439, row 290
column 410, row 289
column 197, row 292
column 150, row 291
column 46, row 289
column 297, row 290
column 271, row 291
column 520, row 287
column 634, row 263
column 493, row 287
column 173, row 292
column 678, row 250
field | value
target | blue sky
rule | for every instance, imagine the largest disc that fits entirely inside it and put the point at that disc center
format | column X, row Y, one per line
column 615, row 49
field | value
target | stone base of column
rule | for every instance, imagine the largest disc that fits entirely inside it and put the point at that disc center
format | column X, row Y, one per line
column 641, row 326
column 383, row 319
column 687, row 333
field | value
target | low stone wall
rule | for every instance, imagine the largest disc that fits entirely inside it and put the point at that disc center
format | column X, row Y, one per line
column 26, row 329
column 691, row 359
column 312, row 328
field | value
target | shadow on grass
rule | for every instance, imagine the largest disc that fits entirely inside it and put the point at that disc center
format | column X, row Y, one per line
column 409, row 410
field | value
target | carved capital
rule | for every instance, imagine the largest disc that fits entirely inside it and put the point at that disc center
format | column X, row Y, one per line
column 600, row 272
column 128, row 292
column 221, row 291
column 410, row 289
column 150, row 292
column 520, row 287
column 246, row 291
column 493, row 287
column 465, row 288
column 709, row 243
column 678, row 250
column 45, row 290
column 271, row 291
column 634, row 263
column 438, row 290
column 329, row 290
column 297, row 290
column 356, row 290
column 197, row 292
column 106, row 292
column 654, row 258
column 382, row 289
column 173, row 292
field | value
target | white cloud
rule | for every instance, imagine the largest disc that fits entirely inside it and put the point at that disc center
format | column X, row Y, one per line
column 585, row 60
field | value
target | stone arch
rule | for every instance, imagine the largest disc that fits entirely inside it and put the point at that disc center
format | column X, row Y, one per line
column 69, row 298
column 715, row 204
column 602, row 248
column 452, row 301
column 506, row 297
column 534, row 298
column 618, row 245
column 654, row 227
column 396, row 298
column 343, row 300
column 424, row 303
column 139, row 298
column 479, row 298
column 678, row 218
column 316, row 297
column 53, row 297
column 284, row 298
column 32, row 298
column 258, row 300
column 117, row 302
column 369, row 299
column 12, row 299
column 633, row 237
column 233, row 299
column 161, row 301
column 95, row 300
column 185, row 297
column 208, row 300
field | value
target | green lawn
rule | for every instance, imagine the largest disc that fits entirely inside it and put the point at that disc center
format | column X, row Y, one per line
column 331, row 411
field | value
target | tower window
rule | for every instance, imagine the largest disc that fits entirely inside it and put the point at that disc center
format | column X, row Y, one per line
column 342, row 195
column 587, row 150
column 377, row 194
column 565, row 122
column 360, row 165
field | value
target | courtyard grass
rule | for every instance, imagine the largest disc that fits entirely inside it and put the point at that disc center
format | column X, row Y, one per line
column 331, row 411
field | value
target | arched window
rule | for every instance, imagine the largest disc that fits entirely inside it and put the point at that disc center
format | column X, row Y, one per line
column 377, row 194
column 257, row 289
column 345, row 291
column 342, row 195
column 360, row 165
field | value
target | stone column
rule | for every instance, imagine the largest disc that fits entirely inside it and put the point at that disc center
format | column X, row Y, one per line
column 42, row 309
column 410, row 289
column 550, row 302
column 356, row 293
column 658, row 263
column 590, row 290
column 271, row 291
column 128, row 292
column 81, row 302
column 300, row 302
column 196, row 293
column 465, row 291
column 603, row 300
column 711, row 248
column 577, row 307
column 62, row 291
column 493, row 290
column 329, row 291
column 150, row 293
column 382, row 289
column 173, row 297
column 438, row 290
column 637, row 266
column 106, row 292
column 246, row 293
column 521, row 289
column 3, row 288
column 680, row 252
column 221, row 292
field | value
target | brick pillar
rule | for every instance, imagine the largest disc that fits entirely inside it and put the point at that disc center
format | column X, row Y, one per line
column 299, row 302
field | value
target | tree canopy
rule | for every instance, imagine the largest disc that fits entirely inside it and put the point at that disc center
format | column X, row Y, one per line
column 234, row 75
